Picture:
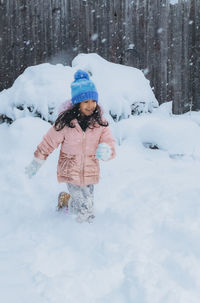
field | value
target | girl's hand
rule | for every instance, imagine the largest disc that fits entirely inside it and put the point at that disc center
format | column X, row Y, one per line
column 103, row 152
column 33, row 167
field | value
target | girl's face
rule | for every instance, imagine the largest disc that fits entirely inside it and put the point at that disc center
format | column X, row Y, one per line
column 87, row 107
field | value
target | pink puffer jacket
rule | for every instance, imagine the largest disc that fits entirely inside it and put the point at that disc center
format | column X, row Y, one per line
column 77, row 162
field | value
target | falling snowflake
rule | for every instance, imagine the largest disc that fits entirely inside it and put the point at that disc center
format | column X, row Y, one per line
column 94, row 37
column 131, row 46
column 160, row 30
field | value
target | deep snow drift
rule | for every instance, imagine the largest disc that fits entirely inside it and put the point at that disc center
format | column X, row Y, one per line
column 143, row 246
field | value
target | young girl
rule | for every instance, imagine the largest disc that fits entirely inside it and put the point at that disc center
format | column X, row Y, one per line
column 85, row 138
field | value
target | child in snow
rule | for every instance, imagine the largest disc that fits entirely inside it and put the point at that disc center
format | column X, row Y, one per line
column 85, row 138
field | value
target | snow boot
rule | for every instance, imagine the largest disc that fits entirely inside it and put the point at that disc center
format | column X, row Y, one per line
column 63, row 199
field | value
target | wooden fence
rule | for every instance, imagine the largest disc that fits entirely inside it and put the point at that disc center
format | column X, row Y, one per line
column 160, row 38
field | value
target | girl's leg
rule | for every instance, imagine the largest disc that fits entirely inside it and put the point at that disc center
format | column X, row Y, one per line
column 81, row 202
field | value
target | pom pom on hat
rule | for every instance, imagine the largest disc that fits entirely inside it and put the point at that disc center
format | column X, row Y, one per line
column 82, row 88
column 81, row 74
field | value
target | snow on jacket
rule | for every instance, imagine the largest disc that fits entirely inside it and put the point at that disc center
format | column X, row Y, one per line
column 77, row 162
column 64, row 106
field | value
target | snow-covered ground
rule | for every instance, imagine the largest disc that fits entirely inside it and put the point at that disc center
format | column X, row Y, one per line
column 143, row 246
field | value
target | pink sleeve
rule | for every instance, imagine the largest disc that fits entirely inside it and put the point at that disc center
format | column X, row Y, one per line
column 50, row 141
column 106, row 137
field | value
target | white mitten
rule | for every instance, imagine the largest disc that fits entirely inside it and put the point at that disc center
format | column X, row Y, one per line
column 103, row 152
column 33, row 167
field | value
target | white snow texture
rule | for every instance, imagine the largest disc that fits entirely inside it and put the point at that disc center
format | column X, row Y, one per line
column 43, row 88
column 143, row 246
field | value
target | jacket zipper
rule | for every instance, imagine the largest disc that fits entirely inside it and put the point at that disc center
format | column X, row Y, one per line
column 83, row 157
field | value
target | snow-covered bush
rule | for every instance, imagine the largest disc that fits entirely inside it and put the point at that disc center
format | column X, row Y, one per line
column 37, row 92
column 41, row 89
column 170, row 134
column 123, row 90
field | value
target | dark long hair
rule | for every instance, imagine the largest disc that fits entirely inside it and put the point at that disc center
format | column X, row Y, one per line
column 66, row 117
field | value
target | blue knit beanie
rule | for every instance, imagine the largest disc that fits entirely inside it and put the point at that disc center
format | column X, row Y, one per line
column 83, row 88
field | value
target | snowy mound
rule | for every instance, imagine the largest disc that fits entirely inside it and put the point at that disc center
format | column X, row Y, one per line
column 37, row 92
column 123, row 90
column 177, row 137
column 41, row 89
